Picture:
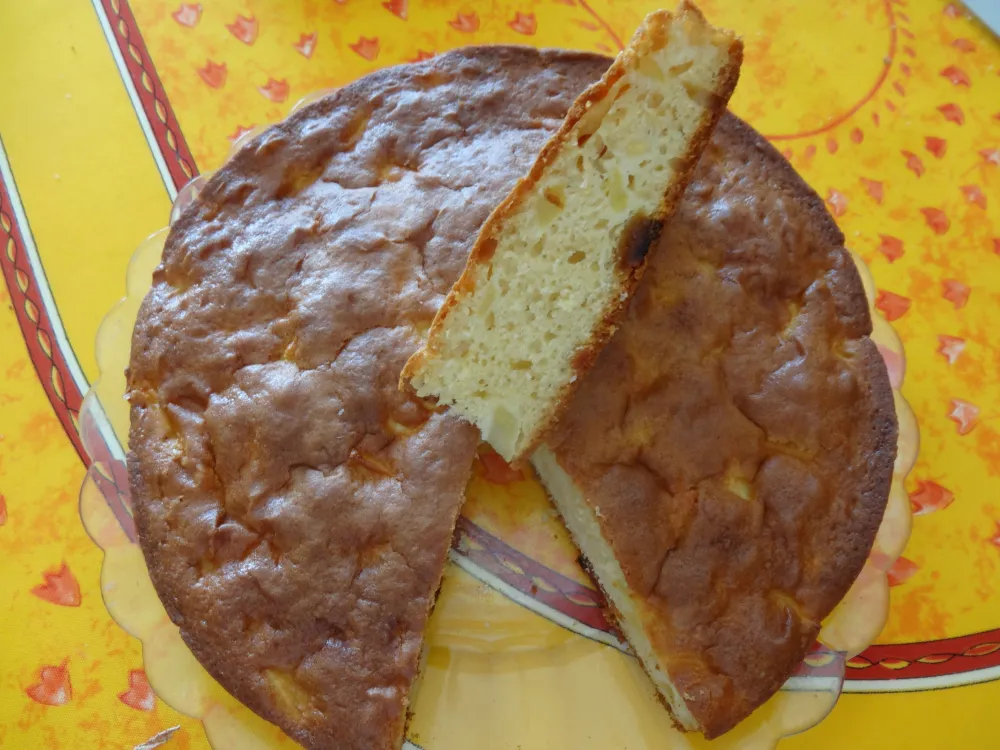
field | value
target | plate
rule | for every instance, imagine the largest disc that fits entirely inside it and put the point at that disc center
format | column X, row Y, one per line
column 519, row 652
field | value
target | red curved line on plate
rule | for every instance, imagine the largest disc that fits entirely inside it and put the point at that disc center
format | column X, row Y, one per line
column 67, row 404
column 950, row 656
column 893, row 34
column 113, row 481
column 566, row 596
column 180, row 163
column 603, row 23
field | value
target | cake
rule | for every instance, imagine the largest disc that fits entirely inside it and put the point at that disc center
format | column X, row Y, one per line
column 294, row 508
column 725, row 465
column 556, row 262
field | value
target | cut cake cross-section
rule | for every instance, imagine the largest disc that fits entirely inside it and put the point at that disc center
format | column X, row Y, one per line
column 555, row 264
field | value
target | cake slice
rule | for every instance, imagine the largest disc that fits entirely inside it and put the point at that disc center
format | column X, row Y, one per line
column 725, row 464
column 556, row 262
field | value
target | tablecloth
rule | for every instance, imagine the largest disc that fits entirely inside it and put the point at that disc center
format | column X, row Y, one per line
column 889, row 108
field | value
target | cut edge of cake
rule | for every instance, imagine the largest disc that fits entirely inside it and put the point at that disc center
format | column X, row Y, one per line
column 556, row 262
column 626, row 610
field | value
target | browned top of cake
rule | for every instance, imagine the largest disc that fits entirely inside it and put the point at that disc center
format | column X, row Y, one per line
column 295, row 508
column 738, row 433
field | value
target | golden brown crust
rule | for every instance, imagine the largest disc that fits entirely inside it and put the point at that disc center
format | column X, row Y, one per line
column 738, row 432
column 294, row 507
column 653, row 33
